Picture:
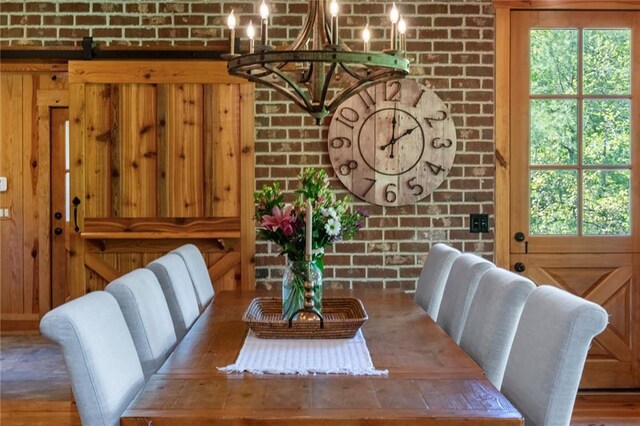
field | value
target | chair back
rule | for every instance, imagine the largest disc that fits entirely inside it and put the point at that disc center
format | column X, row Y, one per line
column 100, row 356
column 172, row 274
column 433, row 277
column 548, row 354
column 198, row 272
column 493, row 316
column 466, row 272
column 147, row 315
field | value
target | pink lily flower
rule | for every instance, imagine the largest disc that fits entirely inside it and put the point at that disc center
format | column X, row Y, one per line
column 282, row 219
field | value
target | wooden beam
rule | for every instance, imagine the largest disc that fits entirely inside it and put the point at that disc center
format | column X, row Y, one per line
column 568, row 4
column 224, row 265
column 100, row 267
column 502, row 153
column 152, row 228
column 247, row 187
column 151, row 72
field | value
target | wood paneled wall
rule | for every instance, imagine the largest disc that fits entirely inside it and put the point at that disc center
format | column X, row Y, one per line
column 25, row 99
column 162, row 154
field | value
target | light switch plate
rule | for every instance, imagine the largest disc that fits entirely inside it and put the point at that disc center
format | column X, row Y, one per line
column 3, row 184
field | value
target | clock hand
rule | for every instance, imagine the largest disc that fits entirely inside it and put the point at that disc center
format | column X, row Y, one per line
column 406, row 133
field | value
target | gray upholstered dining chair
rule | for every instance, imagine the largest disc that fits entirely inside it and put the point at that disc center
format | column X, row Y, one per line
column 493, row 316
column 100, row 356
column 548, row 354
column 198, row 272
column 433, row 277
column 147, row 315
column 466, row 272
column 172, row 274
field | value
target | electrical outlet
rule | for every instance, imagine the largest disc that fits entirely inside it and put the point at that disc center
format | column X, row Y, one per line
column 478, row 222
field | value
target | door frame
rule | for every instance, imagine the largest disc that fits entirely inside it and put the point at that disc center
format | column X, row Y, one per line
column 503, row 160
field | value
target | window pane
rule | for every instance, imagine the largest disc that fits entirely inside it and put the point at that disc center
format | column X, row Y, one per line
column 554, row 131
column 607, row 132
column 607, row 62
column 606, row 202
column 554, row 202
column 554, row 62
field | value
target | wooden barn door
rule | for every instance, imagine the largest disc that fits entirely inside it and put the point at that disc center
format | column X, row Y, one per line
column 28, row 95
column 575, row 172
column 161, row 155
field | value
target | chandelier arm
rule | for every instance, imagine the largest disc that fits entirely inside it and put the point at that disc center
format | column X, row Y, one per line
column 307, row 29
column 306, row 102
column 327, row 83
column 352, row 73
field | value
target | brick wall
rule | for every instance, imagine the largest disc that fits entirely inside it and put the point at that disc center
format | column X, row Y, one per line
column 452, row 44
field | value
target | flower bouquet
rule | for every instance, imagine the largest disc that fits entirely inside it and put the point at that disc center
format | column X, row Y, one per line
column 287, row 224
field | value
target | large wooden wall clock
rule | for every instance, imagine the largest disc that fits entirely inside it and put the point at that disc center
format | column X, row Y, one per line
column 392, row 144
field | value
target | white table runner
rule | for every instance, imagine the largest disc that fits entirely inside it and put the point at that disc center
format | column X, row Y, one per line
column 304, row 356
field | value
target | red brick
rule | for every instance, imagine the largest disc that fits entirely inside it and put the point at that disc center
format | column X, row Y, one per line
column 139, row 33
column 58, row 20
column 107, row 7
column 123, row 20
column 20, row 20
column 73, row 7
column 12, row 7
column 40, row 6
column 90, row 20
column 41, row 32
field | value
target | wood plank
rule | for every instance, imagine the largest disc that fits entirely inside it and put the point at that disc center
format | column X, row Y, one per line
column 151, row 246
column 137, row 151
column 31, row 169
column 102, row 268
column 151, row 72
column 225, row 110
column 57, row 98
column 182, row 169
column 11, row 242
column 106, row 228
column 77, row 278
column 247, row 186
column 502, row 224
column 98, row 150
column 568, row 4
column 224, row 265
column 58, row 261
column 8, row 66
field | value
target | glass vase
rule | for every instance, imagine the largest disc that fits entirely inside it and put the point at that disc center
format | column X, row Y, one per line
column 295, row 275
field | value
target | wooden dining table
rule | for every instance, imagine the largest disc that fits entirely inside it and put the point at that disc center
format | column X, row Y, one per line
column 431, row 380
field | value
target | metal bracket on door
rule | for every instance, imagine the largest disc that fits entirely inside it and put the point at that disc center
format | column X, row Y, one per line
column 76, row 203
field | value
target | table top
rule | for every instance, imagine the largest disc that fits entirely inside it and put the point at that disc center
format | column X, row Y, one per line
column 431, row 379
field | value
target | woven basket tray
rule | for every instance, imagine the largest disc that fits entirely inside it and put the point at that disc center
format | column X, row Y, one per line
column 343, row 317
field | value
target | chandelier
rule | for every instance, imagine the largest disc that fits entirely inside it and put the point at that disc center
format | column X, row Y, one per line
column 309, row 71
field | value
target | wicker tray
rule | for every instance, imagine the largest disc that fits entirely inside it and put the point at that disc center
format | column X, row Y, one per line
column 343, row 317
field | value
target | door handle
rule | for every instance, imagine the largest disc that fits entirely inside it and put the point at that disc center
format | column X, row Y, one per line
column 76, row 203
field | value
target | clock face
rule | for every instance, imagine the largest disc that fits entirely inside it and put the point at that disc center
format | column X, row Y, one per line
column 392, row 144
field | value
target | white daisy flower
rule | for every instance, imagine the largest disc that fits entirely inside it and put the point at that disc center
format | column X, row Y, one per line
column 332, row 227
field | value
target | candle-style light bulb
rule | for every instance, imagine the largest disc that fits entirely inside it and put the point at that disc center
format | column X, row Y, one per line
column 231, row 23
column 264, row 14
column 395, row 15
column 264, row 10
column 402, row 30
column 251, row 34
column 333, row 10
column 366, row 36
